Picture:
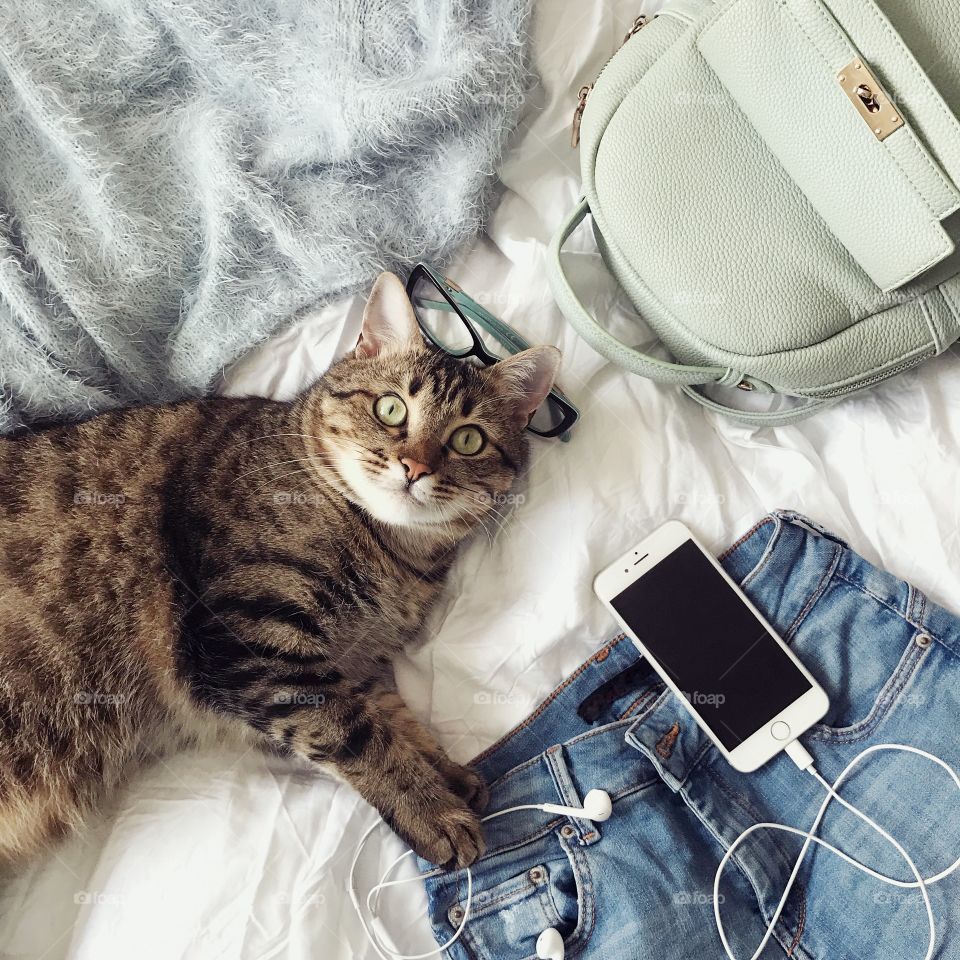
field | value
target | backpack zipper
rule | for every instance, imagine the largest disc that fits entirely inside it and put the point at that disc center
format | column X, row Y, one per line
column 638, row 24
column 578, row 114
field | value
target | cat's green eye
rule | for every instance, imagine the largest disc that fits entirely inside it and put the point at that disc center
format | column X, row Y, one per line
column 390, row 410
column 468, row 441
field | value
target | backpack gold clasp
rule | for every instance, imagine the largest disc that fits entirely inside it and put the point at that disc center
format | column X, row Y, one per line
column 876, row 108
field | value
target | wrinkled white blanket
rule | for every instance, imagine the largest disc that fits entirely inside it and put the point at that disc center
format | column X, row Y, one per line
column 238, row 857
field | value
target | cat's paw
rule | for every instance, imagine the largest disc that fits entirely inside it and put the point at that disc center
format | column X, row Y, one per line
column 447, row 833
column 466, row 783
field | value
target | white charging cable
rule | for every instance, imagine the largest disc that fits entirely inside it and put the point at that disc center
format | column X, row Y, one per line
column 597, row 806
column 802, row 758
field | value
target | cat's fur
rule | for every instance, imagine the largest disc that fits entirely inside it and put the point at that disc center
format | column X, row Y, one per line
column 248, row 568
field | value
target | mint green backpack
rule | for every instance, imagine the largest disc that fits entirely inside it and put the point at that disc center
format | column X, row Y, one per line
column 772, row 182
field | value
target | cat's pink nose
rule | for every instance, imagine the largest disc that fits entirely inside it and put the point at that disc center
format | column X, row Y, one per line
column 415, row 469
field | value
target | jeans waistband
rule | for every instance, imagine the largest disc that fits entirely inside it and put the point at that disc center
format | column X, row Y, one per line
column 789, row 560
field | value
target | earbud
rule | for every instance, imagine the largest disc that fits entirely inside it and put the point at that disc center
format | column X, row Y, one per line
column 550, row 944
column 596, row 806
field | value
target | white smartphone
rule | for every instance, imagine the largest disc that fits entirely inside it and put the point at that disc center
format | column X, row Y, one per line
column 711, row 646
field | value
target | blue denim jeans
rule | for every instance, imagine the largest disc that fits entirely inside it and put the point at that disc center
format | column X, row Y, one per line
column 641, row 884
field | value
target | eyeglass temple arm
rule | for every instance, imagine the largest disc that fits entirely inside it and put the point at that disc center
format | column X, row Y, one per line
column 487, row 320
column 498, row 328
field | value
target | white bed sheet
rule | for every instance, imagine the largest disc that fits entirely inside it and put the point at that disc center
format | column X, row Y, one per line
column 224, row 856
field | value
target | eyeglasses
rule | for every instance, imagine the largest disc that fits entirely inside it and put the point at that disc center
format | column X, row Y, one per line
column 458, row 325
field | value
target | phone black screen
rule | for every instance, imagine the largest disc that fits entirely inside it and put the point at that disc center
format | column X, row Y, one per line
column 710, row 644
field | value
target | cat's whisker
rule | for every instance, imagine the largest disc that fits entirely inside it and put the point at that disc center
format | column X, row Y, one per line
column 481, row 516
column 310, row 465
column 273, row 481
column 269, row 466
column 491, row 534
column 361, row 447
column 268, row 436
column 497, row 516
column 266, row 482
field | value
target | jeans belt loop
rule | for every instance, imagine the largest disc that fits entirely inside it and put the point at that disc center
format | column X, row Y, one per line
column 586, row 831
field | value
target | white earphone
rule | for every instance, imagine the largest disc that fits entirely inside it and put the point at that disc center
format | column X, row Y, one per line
column 550, row 945
column 597, row 806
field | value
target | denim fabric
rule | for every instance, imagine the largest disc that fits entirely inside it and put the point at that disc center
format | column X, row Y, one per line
column 640, row 885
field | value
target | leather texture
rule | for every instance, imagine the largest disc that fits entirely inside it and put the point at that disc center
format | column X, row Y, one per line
column 756, row 222
column 797, row 52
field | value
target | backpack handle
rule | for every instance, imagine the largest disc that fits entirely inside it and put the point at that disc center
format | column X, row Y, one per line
column 605, row 343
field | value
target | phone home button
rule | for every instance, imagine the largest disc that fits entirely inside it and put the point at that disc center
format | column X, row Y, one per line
column 780, row 730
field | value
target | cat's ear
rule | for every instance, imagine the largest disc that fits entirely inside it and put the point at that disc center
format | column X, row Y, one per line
column 389, row 323
column 526, row 378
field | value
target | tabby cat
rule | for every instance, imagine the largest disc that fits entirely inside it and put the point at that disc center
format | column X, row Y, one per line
column 251, row 568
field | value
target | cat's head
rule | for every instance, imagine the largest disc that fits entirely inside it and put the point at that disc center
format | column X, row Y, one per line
column 419, row 437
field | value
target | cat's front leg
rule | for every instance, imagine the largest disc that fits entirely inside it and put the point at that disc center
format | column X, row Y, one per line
column 389, row 757
column 464, row 781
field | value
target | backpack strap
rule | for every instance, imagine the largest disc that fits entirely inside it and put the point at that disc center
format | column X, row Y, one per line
column 603, row 342
column 759, row 418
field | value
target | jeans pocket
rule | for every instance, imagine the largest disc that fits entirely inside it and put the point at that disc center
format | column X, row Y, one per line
column 554, row 890
column 865, row 655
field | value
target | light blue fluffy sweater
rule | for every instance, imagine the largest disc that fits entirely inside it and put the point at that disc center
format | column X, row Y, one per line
column 181, row 178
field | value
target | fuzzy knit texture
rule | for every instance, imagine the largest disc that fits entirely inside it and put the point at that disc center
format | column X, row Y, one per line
column 179, row 179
